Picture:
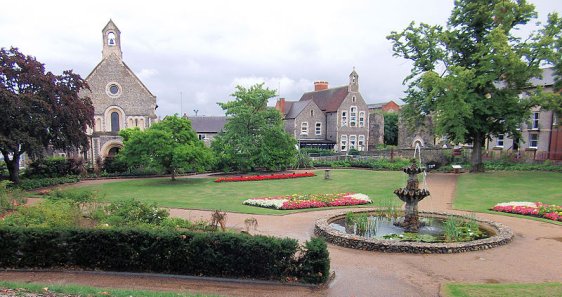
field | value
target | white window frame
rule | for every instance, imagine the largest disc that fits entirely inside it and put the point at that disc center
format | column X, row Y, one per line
column 201, row 136
column 353, row 116
column 535, row 140
column 352, row 142
column 361, row 142
column 343, row 143
column 318, row 128
column 535, row 120
column 500, row 140
column 304, row 128
column 361, row 119
column 344, row 118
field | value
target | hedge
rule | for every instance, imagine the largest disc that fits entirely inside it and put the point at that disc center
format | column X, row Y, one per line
column 34, row 183
column 165, row 251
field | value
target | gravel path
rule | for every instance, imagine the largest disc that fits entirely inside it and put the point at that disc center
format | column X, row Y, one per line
column 534, row 256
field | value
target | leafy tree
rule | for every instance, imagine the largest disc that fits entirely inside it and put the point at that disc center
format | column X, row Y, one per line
column 171, row 144
column 390, row 128
column 469, row 75
column 39, row 109
column 254, row 136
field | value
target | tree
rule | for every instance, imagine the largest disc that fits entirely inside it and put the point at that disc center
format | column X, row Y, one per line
column 254, row 136
column 39, row 109
column 390, row 128
column 171, row 144
column 470, row 74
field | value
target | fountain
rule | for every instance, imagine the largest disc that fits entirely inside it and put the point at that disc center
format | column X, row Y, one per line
column 414, row 231
column 411, row 195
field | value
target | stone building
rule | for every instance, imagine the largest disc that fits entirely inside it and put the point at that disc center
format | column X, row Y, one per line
column 207, row 127
column 332, row 118
column 389, row 106
column 541, row 136
column 120, row 99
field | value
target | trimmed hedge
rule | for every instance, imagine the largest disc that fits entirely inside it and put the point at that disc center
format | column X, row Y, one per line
column 30, row 184
column 375, row 164
column 165, row 251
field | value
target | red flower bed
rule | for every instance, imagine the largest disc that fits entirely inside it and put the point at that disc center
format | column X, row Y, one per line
column 551, row 212
column 264, row 177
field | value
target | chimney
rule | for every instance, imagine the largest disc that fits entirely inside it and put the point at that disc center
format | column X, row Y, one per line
column 320, row 85
column 280, row 105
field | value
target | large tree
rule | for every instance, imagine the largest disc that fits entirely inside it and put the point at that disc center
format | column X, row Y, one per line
column 170, row 144
column 39, row 109
column 469, row 75
column 254, row 138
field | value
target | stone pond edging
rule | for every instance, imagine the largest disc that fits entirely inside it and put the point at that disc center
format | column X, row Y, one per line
column 322, row 229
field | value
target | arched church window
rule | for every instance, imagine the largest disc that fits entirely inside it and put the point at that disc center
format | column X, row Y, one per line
column 110, row 38
column 114, row 122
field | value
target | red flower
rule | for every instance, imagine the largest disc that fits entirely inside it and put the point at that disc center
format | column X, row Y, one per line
column 263, row 177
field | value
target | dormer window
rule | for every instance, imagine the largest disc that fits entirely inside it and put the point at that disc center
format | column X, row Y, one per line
column 111, row 39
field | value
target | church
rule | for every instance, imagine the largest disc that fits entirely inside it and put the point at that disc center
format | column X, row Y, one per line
column 119, row 98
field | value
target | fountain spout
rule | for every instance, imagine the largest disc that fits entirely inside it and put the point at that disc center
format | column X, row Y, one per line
column 411, row 195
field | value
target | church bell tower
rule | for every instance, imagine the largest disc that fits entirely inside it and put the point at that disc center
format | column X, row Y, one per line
column 111, row 41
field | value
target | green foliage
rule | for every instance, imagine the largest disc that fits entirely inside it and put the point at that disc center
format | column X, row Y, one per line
column 302, row 160
column 353, row 152
column 375, row 164
column 76, row 197
column 461, row 229
column 46, row 214
column 9, row 198
column 507, row 165
column 486, row 69
column 54, row 167
column 39, row 109
column 317, row 151
column 115, row 164
column 133, row 212
column 503, row 289
column 35, row 183
column 390, row 128
column 253, row 138
column 163, row 251
column 170, row 144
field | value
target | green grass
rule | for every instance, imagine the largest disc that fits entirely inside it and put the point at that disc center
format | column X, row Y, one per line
column 501, row 290
column 480, row 192
column 204, row 193
column 23, row 288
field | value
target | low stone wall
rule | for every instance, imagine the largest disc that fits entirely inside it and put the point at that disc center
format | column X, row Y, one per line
column 322, row 228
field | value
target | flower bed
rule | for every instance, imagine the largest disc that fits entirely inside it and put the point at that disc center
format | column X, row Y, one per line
column 263, row 177
column 300, row 201
column 536, row 209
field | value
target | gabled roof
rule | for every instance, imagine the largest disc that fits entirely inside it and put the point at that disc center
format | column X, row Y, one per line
column 328, row 100
column 208, row 124
column 376, row 105
column 296, row 108
column 288, row 105
column 126, row 67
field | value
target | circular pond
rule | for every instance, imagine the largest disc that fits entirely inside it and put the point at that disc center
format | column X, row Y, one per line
column 368, row 230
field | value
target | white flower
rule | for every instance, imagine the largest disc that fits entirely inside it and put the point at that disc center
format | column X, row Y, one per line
column 270, row 203
column 360, row 196
column 518, row 203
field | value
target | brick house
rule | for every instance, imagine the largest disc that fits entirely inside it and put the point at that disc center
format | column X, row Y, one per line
column 332, row 118
column 541, row 137
column 120, row 99
column 389, row 106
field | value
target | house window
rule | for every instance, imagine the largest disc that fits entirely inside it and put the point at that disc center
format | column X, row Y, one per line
column 318, row 128
column 312, row 112
column 353, row 141
column 353, row 99
column 201, row 136
column 353, row 116
column 361, row 119
column 535, row 121
column 533, row 140
column 361, row 142
column 304, row 128
column 343, row 143
column 114, row 122
column 344, row 118
column 499, row 140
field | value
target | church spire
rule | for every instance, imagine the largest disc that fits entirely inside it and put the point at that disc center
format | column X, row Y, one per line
column 353, row 81
column 111, row 41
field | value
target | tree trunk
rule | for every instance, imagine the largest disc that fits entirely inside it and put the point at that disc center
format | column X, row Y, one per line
column 173, row 174
column 13, row 168
column 476, row 157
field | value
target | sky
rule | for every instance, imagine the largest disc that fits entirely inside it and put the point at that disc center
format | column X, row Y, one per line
column 192, row 54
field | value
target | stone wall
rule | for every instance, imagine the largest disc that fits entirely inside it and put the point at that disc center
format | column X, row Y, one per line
column 376, row 130
column 422, row 133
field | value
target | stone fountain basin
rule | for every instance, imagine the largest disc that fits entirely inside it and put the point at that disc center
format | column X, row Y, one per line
column 499, row 235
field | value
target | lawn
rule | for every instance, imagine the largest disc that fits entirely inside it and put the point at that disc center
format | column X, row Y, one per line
column 494, row 290
column 204, row 193
column 21, row 289
column 479, row 192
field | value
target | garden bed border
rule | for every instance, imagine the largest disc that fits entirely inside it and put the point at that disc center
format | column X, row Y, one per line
column 322, row 228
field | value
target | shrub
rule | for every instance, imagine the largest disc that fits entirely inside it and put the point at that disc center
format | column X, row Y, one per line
column 375, row 164
column 30, row 184
column 115, row 165
column 9, row 198
column 72, row 196
column 53, row 167
column 133, row 212
column 163, row 251
column 45, row 214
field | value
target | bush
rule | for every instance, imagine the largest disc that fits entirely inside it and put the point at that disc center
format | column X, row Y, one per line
column 55, row 167
column 115, row 165
column 163, row 251
column 375, row 164
column 30, row 184
column 133, row 212
column 45, row 214
column 9, row 198
column 504, row 164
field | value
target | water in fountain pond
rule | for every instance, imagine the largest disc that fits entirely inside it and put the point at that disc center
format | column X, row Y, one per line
column 380, row 227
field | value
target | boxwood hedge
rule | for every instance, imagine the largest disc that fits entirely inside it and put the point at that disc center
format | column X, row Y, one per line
column 161, row 251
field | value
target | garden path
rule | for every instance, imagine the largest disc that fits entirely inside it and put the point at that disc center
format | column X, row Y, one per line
column 533, row 256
